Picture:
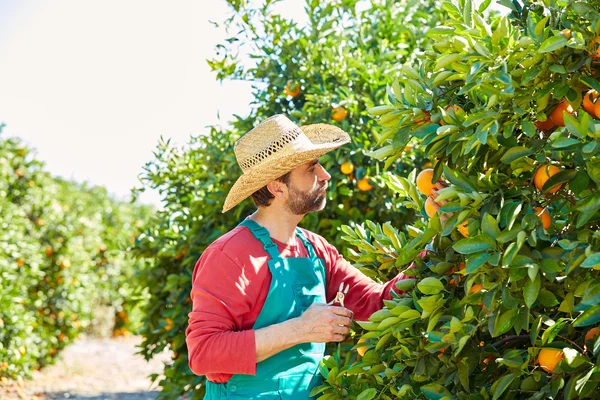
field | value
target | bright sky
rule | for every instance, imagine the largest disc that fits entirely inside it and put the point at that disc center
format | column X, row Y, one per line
column 93, row 85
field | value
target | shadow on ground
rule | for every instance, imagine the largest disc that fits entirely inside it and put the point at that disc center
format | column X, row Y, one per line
column 102, row 396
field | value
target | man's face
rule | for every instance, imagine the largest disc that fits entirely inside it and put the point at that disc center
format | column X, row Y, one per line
column 307, row 188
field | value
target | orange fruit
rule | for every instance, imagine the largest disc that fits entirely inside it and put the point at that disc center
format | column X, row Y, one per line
column 595, row 47
column 424, row 183
column 49, row 251
column 542, row 174
column 292, row 89
column 475, row 288
column 544, row 125
column 590, row 100
column 549, row 358
column 544, row 216
column 442, row 351
column 592, row 334
column 364, row 185
column 362, row 349
column 425, row 118
column 427, row 165
column 557, row 116
column 431, row 207
column 464, row 228
column 347, row 168
column 339, row 114
column 567, row 33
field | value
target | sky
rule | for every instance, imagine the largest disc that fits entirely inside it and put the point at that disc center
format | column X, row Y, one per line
column 92, row 85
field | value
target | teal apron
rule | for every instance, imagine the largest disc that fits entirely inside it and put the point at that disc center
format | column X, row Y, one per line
column 296, row 284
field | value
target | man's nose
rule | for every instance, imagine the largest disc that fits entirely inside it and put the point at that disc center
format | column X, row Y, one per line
column 323, row 174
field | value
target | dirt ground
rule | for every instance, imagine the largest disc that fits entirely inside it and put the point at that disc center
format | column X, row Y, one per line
column 93, row 369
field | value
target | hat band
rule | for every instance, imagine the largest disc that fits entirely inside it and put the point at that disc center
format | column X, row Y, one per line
column 287, row 144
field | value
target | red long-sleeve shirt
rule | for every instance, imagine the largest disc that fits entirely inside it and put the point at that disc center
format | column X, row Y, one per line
column 230, row 284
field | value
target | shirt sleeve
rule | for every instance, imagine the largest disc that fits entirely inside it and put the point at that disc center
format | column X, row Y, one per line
column 365, row 296
column 221, row 297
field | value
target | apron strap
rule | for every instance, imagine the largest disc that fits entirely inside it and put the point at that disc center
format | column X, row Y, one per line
column 262, row 235
column 307, row 244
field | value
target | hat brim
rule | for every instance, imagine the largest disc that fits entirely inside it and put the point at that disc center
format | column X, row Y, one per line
column 324, row 137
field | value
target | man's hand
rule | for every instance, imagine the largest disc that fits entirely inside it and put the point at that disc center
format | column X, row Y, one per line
column 322, row 323
column 319, row 323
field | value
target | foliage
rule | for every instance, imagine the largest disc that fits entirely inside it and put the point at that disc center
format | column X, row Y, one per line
column 61, row 255
column 476, row 333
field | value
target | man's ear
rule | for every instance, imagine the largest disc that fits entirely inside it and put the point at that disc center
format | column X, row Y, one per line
column 277, row 189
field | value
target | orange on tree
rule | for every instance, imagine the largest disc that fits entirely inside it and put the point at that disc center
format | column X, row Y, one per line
column 591, row 103
column 557, row 116
column 544, row 216
column 362, row 349
column 364, row 185
column 347, row 168
column 292, row 89
column 455, row 108
column 427, row 164
column 567, row 33
column 592, row 334
column 424, row 183
column 544, row 125
column 431, row 207
column 543, row 173
column 549, row 358
column 339, row 114
column 476, row 288
column 425, row 118
column 464, row 228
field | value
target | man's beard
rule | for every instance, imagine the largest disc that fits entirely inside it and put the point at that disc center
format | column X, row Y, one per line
column 301, row 203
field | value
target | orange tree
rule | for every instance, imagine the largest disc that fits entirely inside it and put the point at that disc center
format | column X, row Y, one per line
column 508, row 307
column 61, row 255
column 330, row 71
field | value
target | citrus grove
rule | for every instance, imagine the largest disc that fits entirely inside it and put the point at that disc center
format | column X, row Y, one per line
column 62, row 256
column 505, row 105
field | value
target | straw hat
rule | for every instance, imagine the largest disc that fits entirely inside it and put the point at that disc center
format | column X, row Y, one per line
column 274, row 148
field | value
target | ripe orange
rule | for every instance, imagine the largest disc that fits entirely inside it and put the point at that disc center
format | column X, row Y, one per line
column 292, row 89
column 454, row 107
column 590, row 101
column 424, row 183
column 431, row 207
column 544, row 125
column 347, row 168
column 364, row 185
column 548, row 358
column 595, row 47
column 557, row 115
column 544, row 216
column 542, row 174
column 464, row 228
column 339, row 114
column 425, row 118
column 475, row 288
column 592, row 334
column 362, row 349
column 49, row 251
column 567, row 33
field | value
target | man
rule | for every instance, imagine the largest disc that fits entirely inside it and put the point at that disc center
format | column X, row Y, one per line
column 260, row 318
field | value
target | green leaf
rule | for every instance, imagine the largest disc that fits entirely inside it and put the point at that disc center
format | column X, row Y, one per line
column 474, row 261
column 593, row 170
column 367, row 394
column 502, row 384
column 563, row 176
column 590, row 316
column 532, row 290
column 504, row 322
column 475, row 244
column 514, row 153
column 591, row 261
column 490, row 226
column 430, row 285
column 553, row 43
column 564, row 142
column 435, row 391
